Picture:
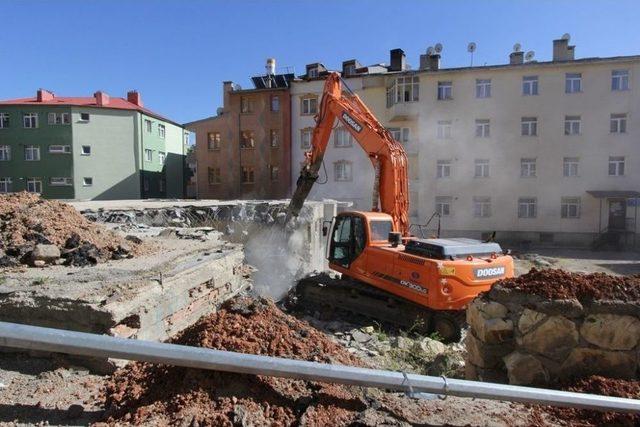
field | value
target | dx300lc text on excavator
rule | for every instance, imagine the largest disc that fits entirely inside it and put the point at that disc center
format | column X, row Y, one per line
column 385, row 272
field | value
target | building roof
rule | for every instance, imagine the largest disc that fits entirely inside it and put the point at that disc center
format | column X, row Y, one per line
column 88, row 101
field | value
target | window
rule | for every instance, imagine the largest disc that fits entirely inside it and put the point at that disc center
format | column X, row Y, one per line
column 161, row 131
column 570, row 207
column 30, row 120
column 573, row 82
column 444, row 129
column 445, row 90
column 275, row 103
column 527, row 168
column 87, row 181
column 305, row 138
column 313, row 73
column 616, row 165
column 162, row 156
column 403, row 89
column 620, row 80
column 247, row 139
column 530, row 85
column 60, row 182
column 247, row 174
column 349, row 70
column 274, row 172
column 570, row 166
column 618, row 123
column 85, row 117
column 4, row 120
column 34, row 185
column 5, row 185
column 529, row 126
column 85, row 150
column 443, row 169
column 342, row 171
column 482, row 128
column 214, row 176
column 413, row 166
column 527, row 207
column 246, row 104
column 58, row 118
column 483, row 88
column 342, row 138
column 482, row 207
column 481, row 168
column 59, row 149
column 572, row 125
column 148, row 125
column 31, row 153
column 213, row 140
column 148, row 155
column 5, row 153
column 443, row 205
column 309, row 105
column 400, row 134
column 274, row 138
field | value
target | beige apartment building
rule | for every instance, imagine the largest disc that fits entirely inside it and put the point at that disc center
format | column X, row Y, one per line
column 540, row 152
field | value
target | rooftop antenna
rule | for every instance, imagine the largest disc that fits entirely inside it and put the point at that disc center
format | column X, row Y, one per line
column 529, row 56
column 566, row 36
column 517, row 47
column 430, row 50
column 471, row 47
column 438, row 48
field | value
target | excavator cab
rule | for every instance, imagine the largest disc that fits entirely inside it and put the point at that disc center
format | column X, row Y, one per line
column 347, row 240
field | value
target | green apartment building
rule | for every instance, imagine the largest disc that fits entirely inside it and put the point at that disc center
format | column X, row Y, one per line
column 87, row 148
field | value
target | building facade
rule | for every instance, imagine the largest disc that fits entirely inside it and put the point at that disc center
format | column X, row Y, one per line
column 542, row 152
column 87, row 148
column 244, row 152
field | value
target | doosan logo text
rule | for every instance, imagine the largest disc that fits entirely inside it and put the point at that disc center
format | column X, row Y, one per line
column 489, row 272
column 351, row 122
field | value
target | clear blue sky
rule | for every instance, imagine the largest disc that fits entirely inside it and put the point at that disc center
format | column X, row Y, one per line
column 177, row 53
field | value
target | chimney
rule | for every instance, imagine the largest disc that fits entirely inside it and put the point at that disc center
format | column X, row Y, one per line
column 398, row 60
column 516, row 58
column 562, row 51
column 227, row 88
column 134, row 97
column 102, row 98
column 44, row 95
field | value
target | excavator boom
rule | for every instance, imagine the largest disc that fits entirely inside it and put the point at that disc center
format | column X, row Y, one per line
column 388, row 157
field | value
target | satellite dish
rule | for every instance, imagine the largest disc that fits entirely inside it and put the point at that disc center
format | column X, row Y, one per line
column 430, row 50
column 517, row 47
column 566, row 36
column 529, row 55
column 438, row 47
column 471, row 47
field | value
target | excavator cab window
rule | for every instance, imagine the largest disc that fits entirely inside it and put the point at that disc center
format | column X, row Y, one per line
column 347, row 241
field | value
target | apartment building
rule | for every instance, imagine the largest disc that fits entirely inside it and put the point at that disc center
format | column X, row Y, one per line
column 97, row 147
column 244, row 152
column 543, row 152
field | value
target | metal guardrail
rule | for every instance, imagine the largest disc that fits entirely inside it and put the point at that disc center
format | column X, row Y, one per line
column 85, row 344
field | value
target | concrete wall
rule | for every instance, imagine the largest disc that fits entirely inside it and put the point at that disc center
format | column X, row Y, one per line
column 113, row 160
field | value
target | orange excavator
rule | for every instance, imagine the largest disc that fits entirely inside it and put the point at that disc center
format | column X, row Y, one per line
column 386, row 273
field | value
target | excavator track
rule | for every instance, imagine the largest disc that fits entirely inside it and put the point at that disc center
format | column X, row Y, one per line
column 322, row 292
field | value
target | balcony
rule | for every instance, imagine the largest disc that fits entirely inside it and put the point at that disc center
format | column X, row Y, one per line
column 402, row 111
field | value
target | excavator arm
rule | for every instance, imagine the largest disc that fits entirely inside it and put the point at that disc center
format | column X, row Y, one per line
column 390, row 190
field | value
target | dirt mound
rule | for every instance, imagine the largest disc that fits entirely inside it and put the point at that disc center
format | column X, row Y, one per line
column 602, row 386
column 26, row 220
column 144, row 393
column 561, row 284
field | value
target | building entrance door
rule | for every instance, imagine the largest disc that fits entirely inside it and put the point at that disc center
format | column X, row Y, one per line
column 617, row 214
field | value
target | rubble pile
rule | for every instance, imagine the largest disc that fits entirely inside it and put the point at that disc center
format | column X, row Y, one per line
column 602, row 386
column 37, row 232
column 551, row 326
column 144, row 393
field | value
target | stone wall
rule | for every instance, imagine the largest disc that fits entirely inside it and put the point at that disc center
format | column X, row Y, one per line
column 525, row 339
